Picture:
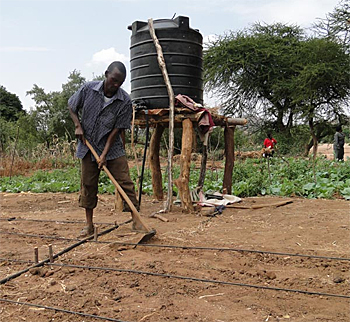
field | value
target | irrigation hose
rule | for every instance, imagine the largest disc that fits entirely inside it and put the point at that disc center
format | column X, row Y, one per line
column 10, row 277
column 219, row 249
column 61, row 310
column 53, row 221
column 195, row 279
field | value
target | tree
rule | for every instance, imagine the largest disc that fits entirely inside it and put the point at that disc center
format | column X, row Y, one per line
column 336, row 25
column 322, row 85
column 51, row 112
column 278, row 73
column 252, row 71
column 10, row 105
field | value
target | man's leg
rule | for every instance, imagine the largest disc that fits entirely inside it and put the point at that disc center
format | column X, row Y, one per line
column 120, row 170
column 88, row 191
column 336, row 154
column 89, row 212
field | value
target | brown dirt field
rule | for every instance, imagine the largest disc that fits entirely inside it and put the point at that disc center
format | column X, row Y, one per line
column 310, row 227
column 327, row 150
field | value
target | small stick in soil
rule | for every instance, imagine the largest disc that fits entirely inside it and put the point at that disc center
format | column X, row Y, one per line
column 36, row 255
column 96, row 233
column 50, row 253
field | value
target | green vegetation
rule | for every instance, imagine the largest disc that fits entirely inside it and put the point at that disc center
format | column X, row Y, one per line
column 287, row 177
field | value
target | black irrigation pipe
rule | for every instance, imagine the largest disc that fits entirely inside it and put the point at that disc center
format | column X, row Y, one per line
column 183, row 247
column 61, row 310
column 10, row 277
column 121, row 270
column 203, row 280
column 53, row 221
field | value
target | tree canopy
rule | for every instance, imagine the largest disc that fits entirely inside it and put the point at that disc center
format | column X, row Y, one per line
column 51, row 113
column 10, row 105
column 336, row 25
column 279, row 73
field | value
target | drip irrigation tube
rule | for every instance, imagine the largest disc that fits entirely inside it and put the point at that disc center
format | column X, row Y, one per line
column 185, row 278
column 10, row 277
column 185, row 247
column 203, row 280
column 53, row 221
column 61, row 310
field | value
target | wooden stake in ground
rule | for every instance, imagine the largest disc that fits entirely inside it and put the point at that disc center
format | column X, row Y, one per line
column 36, row 255
column 162, row 66
column 50, row 253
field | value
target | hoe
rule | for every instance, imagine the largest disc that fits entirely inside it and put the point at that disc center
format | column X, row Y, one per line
column 138, row 224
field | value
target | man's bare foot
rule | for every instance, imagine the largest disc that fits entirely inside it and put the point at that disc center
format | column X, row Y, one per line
column 87, row 231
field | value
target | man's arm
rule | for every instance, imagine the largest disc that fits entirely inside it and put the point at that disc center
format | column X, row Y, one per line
column 79, row 133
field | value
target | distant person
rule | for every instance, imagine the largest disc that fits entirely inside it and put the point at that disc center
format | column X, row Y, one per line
column 269, row 144
column 338, row 145
column 105, row 110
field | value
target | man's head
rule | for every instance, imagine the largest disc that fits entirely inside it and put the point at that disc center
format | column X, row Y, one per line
column 338, row 128
column 115, row 77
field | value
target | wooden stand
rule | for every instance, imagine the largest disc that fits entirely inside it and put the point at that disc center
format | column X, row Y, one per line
column 187, row 119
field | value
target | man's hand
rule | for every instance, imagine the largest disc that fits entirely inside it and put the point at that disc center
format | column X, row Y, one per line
column 102, row 161
column 79, row 133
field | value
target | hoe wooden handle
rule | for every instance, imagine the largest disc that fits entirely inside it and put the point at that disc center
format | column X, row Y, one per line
column 135, row 214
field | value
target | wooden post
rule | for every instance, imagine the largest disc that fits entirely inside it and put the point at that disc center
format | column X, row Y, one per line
column 50, row 253
column 162, row 66
column 154, row 162
column 182, row 182
column 203, row 167
column 229, row 158
column 95, row 233
column 36, row 255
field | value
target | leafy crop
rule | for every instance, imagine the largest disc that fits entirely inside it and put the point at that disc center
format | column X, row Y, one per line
column 281, row 177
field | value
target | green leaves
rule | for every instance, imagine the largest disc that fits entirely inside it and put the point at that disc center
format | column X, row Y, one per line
column 250, row 178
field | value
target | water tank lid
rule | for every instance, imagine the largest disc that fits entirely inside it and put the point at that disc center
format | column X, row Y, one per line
column 179, row 22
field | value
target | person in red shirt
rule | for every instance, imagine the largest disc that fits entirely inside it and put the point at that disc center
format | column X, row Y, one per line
column 269, row 144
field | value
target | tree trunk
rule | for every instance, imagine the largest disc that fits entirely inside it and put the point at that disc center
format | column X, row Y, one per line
column 182, row 182
column 308, row 146
column 154, row 162
column 314, row 137
column 229, row 158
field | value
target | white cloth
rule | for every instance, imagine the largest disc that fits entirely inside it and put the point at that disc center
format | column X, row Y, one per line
column 226, row 199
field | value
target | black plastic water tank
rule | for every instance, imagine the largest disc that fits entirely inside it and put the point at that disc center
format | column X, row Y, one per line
column 182, row 51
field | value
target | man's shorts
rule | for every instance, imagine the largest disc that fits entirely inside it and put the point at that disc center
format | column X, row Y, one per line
column 89, row 181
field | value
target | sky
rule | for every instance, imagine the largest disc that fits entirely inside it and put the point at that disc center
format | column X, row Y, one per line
column 43, row 41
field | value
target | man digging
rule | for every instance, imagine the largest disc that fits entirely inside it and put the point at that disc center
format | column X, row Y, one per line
column 101, row 111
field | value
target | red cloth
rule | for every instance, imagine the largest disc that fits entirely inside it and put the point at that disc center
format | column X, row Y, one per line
column 270, row 143
column 206, row 122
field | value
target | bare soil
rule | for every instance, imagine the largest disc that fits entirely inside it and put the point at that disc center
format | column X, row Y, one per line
column 327, row 150
column 310, row 227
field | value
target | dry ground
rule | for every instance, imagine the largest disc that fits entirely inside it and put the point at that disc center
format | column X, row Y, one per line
column 312, row 227
column 327, row 150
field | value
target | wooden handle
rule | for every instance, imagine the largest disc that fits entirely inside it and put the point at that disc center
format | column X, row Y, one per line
column 134, row 211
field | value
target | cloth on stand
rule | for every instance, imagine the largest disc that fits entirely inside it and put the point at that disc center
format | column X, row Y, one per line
column 205, row 123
